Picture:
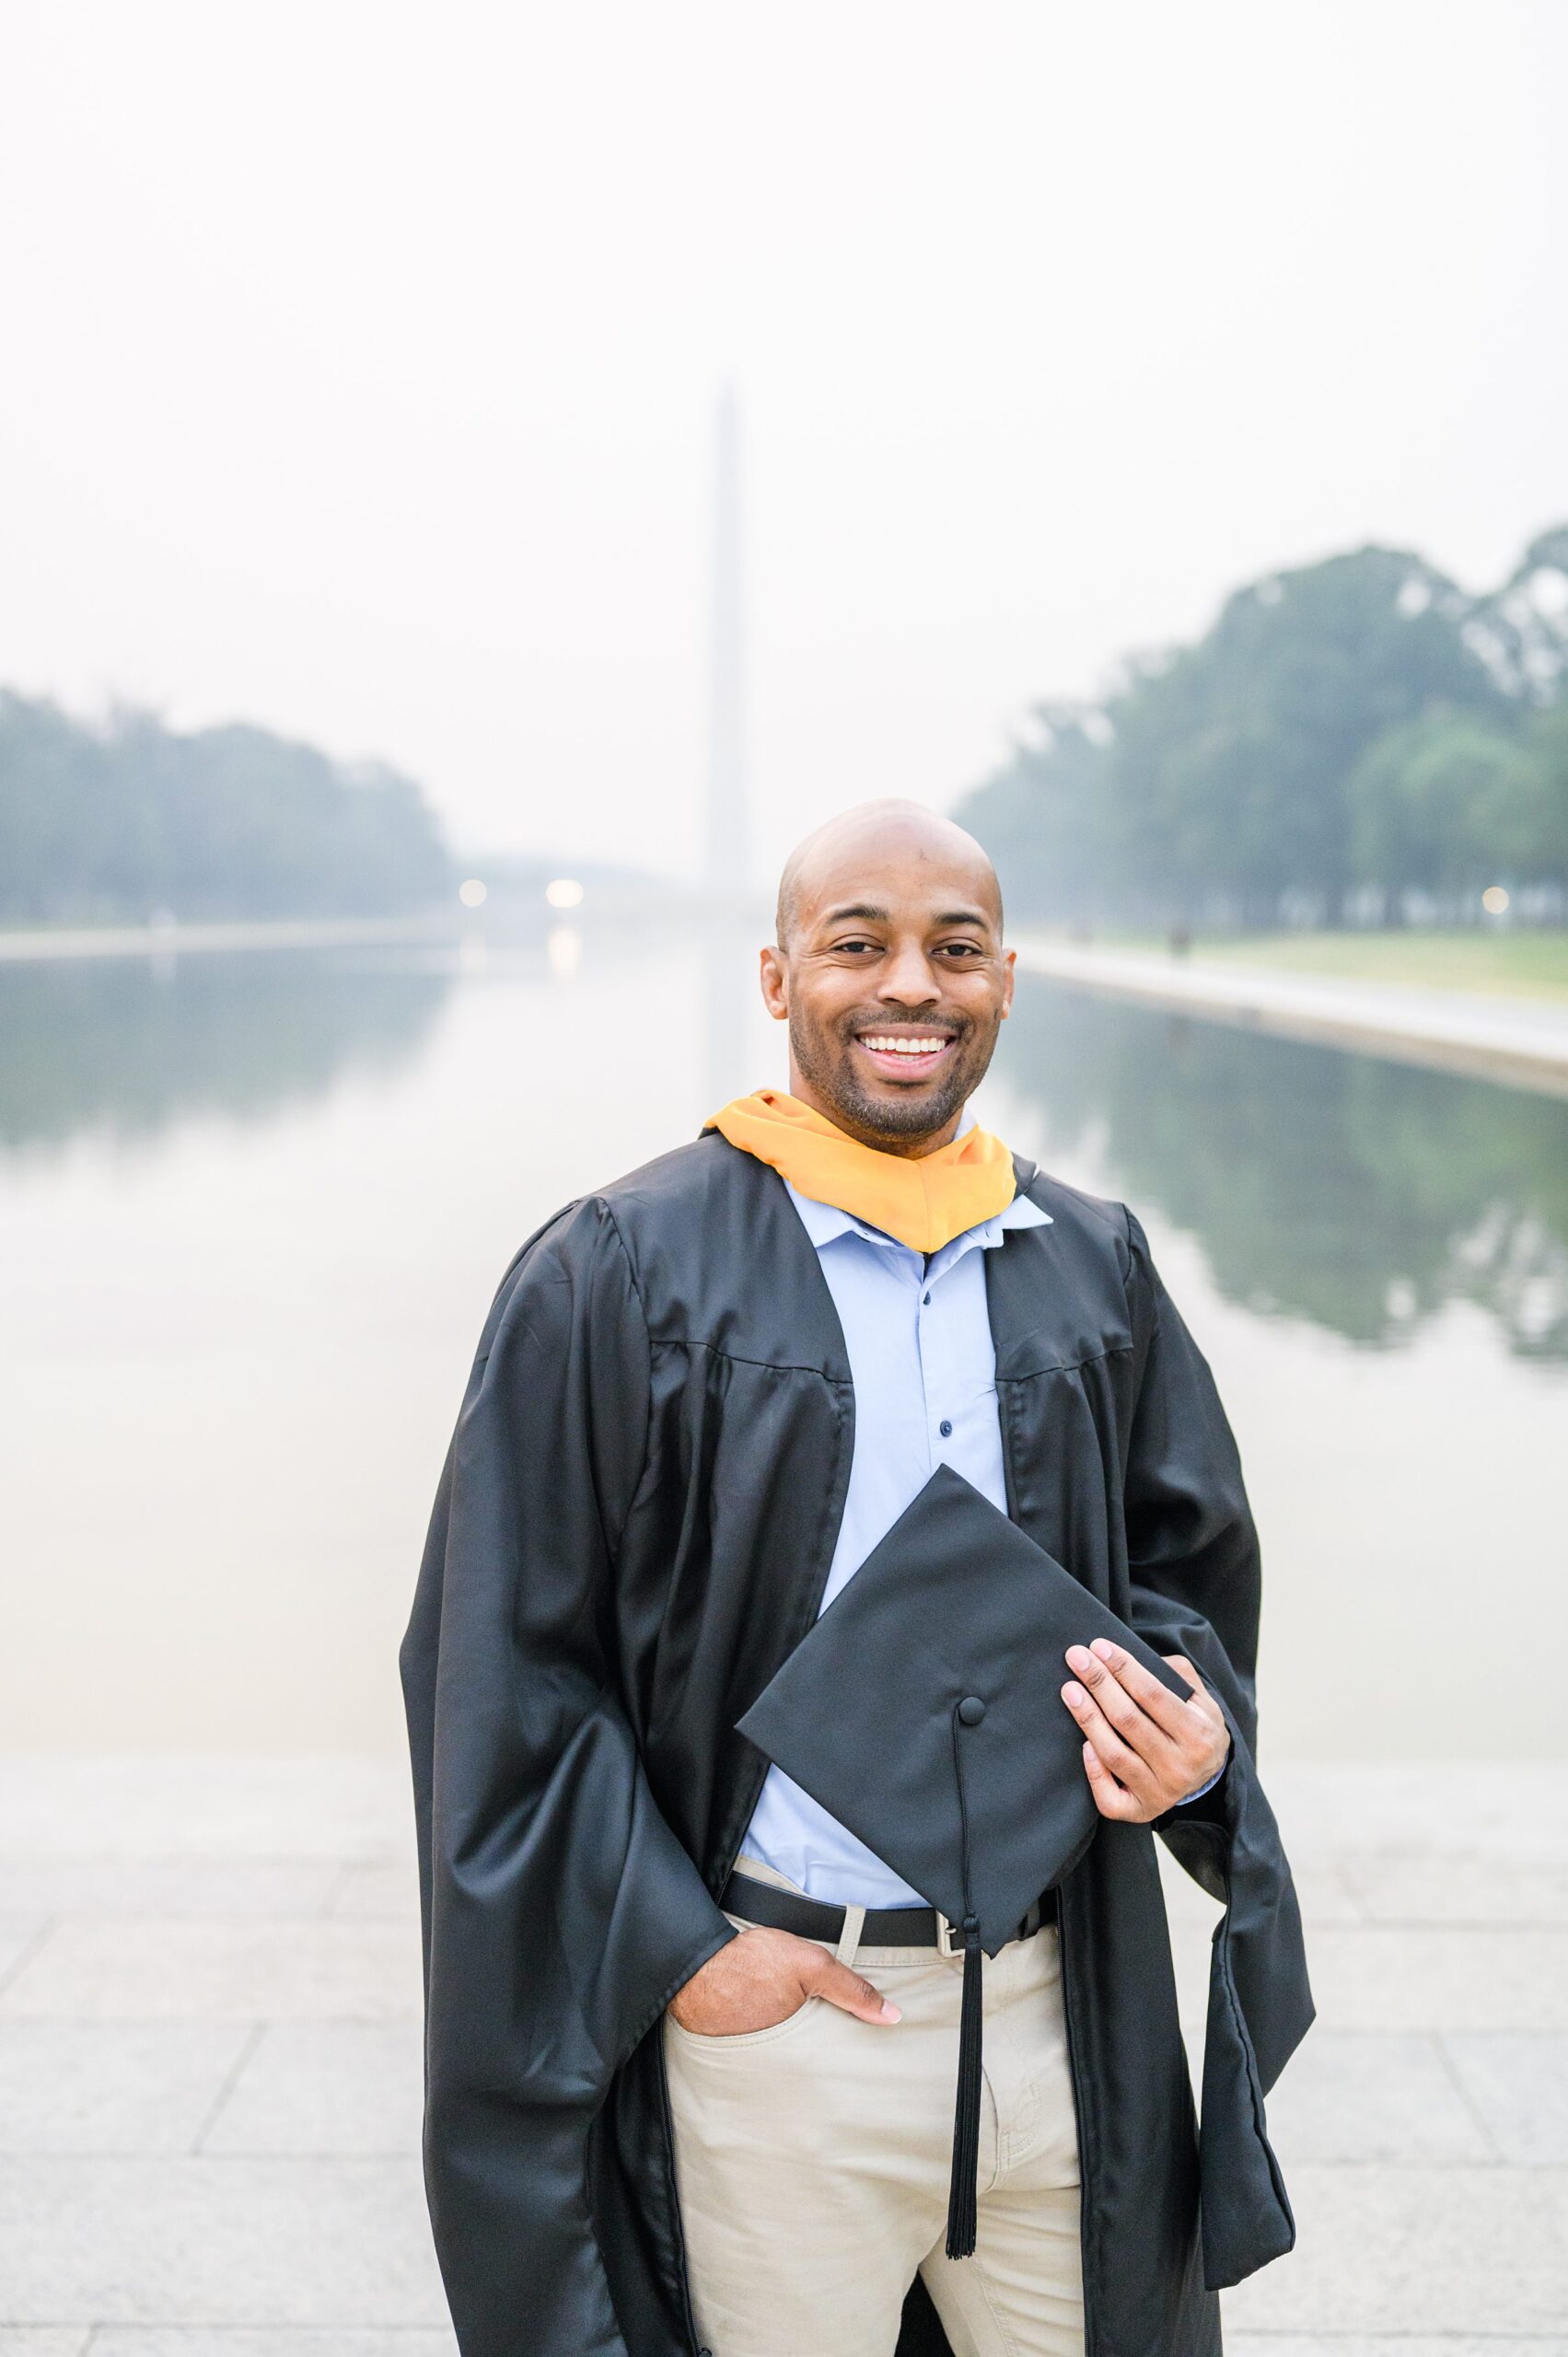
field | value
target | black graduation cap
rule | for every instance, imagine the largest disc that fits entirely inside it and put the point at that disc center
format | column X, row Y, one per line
column 923, row 1710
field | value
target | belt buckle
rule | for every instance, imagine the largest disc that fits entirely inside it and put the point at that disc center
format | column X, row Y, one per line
column 949, row 1938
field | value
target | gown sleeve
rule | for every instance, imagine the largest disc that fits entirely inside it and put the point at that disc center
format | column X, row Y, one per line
column 559, row 1913
column 1194, row 1569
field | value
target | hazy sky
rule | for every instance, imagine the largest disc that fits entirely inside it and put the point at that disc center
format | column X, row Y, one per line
column 359, row 363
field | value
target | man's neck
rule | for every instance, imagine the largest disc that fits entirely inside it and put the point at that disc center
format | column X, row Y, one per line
column 909, row 1149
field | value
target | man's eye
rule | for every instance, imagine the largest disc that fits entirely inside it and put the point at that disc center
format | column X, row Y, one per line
column 855, row 944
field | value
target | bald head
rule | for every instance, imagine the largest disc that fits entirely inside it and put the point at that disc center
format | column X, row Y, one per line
column 848, row 850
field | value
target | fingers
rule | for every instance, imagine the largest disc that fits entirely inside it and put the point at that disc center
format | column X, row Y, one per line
column 1167, row 1710
column 826, row 1976
column 1181, row 1744
column 1110, row 1798
column 1102, row 1699
column 1128, row 1767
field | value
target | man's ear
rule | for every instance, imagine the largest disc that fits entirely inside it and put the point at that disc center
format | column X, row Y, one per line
column 775, row 977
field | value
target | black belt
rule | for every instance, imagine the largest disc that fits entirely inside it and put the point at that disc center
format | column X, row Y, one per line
column 885, row 1927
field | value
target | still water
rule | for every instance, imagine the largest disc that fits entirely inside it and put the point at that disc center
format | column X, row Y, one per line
column 254, row 1207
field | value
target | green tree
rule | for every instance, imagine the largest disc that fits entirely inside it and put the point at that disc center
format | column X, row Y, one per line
column 1547, row 737
column 1451, row 803
column 226, row 822
column 1045, row 815
column 1231, row 763
column 1522, row 629
column 1226, row 775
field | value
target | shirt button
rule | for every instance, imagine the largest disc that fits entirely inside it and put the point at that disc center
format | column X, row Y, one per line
column 945, row 1429
column 971, row 1710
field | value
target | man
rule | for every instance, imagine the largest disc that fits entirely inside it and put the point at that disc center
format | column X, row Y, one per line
column 691, row 2043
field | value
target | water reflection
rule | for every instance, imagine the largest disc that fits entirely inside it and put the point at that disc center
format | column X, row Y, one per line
column 124, row 1048
column 1362, row 1195
column 1359, row 1194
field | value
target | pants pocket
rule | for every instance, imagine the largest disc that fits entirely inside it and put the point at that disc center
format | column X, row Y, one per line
column 744, row 2041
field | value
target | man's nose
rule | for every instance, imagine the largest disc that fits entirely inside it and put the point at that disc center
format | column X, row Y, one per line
column 908, row 977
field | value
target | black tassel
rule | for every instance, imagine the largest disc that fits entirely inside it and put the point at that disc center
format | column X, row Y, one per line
column 962, row 2196
column 966, row 2117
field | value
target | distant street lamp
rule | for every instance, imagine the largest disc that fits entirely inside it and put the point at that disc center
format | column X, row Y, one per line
column 563, row 892
column 473, row 893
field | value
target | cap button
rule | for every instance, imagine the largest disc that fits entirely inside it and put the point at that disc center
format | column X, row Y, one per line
column 971, row 1710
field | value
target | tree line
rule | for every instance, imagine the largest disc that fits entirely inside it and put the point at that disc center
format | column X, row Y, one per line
column 134, row 820
column 1357, row 740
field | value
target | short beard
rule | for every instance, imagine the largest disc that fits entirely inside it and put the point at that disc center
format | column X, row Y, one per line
column 871, row 1119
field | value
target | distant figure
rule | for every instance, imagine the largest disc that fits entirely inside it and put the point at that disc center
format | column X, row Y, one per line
column 708, row 2072
column 1180, row 938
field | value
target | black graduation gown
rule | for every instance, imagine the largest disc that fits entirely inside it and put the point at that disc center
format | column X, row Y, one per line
column 633, row 1531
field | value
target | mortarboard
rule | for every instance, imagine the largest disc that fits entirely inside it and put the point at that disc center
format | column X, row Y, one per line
column 923, row 1710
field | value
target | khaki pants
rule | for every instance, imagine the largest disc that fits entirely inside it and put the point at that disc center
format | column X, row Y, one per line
column 812, row 2163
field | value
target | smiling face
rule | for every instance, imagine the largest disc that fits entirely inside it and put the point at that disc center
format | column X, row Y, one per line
column 890, row 973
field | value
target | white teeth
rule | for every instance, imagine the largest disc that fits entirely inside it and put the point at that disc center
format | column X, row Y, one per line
column 904, row 1047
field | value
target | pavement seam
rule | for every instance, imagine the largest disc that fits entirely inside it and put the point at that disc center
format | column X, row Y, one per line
column 1344, row 1877
column 303, row 2333
column 336, row 1890
column 20, row 1962
column 1456, row 2078
column 253, row 2040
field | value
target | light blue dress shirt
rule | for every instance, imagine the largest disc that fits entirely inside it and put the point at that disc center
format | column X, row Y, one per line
column 924, row 1366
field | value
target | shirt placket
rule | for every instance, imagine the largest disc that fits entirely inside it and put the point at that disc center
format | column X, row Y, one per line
column 933, row 1373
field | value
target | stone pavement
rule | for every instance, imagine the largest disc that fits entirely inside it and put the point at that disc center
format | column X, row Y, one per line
column 209, row 2065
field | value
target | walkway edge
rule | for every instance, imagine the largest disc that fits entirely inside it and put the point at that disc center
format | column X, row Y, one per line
column 259, row 932
column 1515, row 1042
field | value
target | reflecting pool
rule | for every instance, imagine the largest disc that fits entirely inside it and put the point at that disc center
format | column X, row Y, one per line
column 254, row 1207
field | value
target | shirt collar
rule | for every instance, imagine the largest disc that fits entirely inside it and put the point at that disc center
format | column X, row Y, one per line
column 824, row 1222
